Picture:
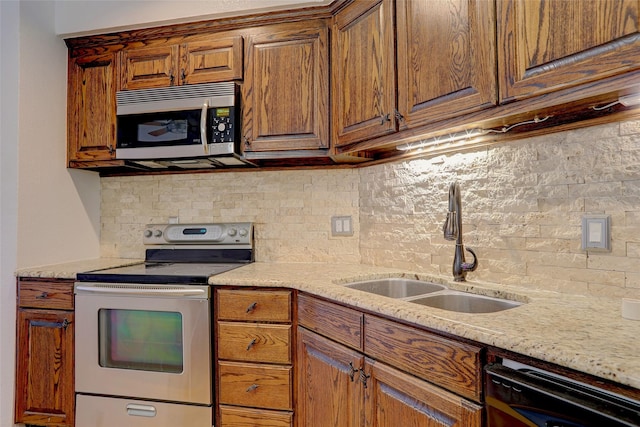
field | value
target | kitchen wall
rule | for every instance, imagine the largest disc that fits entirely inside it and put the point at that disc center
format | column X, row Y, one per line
column 522, row 207
column 291, row 210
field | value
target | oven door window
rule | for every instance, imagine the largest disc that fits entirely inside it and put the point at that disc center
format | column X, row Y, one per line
column 141, row 340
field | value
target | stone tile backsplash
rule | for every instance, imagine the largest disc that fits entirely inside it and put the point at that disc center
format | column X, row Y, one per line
column 522, row 204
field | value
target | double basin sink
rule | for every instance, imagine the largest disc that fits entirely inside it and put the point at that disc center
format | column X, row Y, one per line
column 433, row 295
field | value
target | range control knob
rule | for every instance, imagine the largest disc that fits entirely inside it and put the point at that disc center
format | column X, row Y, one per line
column 243, row 232
column 232, row 232
column 148, row 233
column 157, row 233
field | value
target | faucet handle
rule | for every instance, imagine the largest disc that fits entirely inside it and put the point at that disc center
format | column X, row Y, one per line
column 450, row 228
column 470, row 266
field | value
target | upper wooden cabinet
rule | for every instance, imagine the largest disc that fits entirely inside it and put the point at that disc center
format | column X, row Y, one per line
column 286, row 87
column 446, row 59
column 551, row 45
column 217, row 58
column 445, row 62
column 363, row 72
column 91, row 108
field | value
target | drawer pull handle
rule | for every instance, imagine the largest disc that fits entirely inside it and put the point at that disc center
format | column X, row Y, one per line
column 252, row 387
column 252, row 307
column 43, row 295
column 352, row 371
column 252, row 343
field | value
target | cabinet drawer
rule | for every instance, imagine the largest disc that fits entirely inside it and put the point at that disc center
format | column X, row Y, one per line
column 259, row 386
column 255, row 342
column 334, row 321
column 35, row 294
column 450, row 364
column 243, row 417
column 254, row 306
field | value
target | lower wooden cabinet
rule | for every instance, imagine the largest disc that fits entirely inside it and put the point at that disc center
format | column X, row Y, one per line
column 356, row 369
column 341, row 387
column 44, row 394
column 254, row 358
column 329, row 390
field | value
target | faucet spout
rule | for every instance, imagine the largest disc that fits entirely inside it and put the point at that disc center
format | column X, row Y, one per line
column 452, row 230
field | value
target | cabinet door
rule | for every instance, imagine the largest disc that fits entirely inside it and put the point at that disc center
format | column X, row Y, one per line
column 44, row 369
column 446, row 59
column 329, row 391
column 393, row 398
column 286, row 90
column 547, row 45
column 363, row 78
column 215, row 60
column 149, row 67
column 91, row 104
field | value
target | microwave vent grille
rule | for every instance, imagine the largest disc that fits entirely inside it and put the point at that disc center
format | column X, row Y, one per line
column 168, row 98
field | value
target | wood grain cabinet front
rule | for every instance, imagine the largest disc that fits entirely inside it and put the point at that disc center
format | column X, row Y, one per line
column 546, row 46
column 91, row 108
column 402, row 376
column 215, row 58
column 254, row 357
column 286, row 88
column 44, row 394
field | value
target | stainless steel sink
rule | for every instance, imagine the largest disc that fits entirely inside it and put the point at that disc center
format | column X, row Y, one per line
column 396, row 287
column 466, row 303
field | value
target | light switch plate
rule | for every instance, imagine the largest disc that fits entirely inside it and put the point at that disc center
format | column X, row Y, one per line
column 341, row 226
column 596, row 233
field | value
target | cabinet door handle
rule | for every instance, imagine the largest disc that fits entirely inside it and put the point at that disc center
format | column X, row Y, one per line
column 43, row 295
column 363, row 378
column 171, row 79
column 45, row 324
column 183, row 75
column 252, row 343
column 252, row 387
column 352, row 371
column 399, row 117
column 252, row 307
column 384, row 119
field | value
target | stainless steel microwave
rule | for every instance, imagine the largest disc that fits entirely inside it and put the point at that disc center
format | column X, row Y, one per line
column 190, row 126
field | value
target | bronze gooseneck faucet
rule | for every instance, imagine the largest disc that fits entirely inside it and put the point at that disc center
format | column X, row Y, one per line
column 453, row 231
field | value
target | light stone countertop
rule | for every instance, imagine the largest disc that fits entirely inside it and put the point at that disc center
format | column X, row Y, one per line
column 70, row 269
column 583, row 333
column 587, row 334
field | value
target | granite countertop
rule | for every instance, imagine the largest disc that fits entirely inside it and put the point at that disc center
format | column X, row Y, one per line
column 587, row 334
column 583, row 333
column 70, row 269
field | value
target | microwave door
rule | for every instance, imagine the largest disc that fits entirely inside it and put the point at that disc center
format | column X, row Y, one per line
column 161, row 135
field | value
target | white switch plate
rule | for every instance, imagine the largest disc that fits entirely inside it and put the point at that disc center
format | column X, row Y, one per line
column 341, row 226
column 596, row 233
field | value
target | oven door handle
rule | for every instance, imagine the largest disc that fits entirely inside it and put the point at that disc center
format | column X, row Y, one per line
column 141, row 291
column 141, row 410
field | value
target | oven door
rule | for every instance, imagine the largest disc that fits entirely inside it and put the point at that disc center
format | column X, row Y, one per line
column 144, row 341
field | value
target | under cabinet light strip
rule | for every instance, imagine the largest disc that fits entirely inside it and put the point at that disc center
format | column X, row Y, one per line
column 457, row 136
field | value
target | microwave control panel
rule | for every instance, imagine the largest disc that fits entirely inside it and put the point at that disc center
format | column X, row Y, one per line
column 223, row 125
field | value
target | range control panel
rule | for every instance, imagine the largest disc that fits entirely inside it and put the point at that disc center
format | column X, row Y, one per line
column 236, row 233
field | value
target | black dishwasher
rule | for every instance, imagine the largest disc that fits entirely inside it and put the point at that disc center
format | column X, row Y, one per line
column 524, row 396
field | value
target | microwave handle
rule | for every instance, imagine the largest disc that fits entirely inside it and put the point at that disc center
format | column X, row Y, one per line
column 203, row 127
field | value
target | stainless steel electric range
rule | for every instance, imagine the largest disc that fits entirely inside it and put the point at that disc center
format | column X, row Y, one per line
column 144, row 333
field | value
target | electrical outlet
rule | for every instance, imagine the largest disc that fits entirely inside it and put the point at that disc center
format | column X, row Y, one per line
column 341, row 226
